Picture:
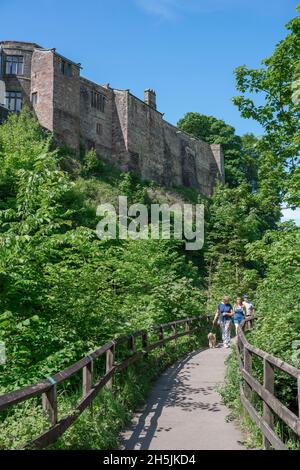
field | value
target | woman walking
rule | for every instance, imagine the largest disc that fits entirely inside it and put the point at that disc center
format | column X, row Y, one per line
column 239, row 311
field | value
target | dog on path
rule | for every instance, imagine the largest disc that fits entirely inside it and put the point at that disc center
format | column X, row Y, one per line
column 211, row 340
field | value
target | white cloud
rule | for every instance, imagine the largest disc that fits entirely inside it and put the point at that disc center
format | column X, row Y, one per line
column 289, row 214
column 166, row 9
column 172, row 9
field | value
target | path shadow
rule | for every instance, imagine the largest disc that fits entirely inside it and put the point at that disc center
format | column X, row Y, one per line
column 171, row 389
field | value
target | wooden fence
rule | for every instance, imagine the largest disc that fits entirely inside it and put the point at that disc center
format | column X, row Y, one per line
column 271, row 405
column 90, row 389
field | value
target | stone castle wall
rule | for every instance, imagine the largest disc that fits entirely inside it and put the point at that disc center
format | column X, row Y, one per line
column 96, row 125
column 161, row 152
column 42, row 82
column 128, row 132
column 66, row 104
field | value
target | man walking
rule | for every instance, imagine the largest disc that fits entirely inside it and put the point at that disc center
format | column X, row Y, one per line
column 249, row 307
column 249, row 311
column 223, row 316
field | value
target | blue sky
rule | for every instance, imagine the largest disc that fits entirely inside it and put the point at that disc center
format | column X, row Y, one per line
column 185, row 49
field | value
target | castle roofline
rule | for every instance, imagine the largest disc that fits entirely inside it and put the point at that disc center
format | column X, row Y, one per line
column 78, row 64
column 186, row 134
column 146, row 104
column 53, row 49
column 91, row 82
column 139, row 99
column 20, row 44
column 24, row 43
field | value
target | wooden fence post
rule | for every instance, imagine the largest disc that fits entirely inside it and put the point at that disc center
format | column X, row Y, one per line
column 248, row 368
column 87, row 378
column 145, row 341
column 131, row 343
column 174, row 331
column 240, row 345
column 187, row 328
column 110, row 359
column 161, row 335
column 49, row 400
column 269, row 385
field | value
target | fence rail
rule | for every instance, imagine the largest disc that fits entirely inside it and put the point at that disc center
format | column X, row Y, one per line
column 90, row 389
column 271, row 405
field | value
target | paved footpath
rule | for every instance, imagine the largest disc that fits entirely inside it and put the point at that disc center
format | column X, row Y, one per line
column 184, row 410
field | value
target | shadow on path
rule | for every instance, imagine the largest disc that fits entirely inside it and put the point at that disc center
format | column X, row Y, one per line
column 173, row 389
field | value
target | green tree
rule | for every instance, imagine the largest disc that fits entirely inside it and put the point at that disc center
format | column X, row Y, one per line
column 278, row 112
column 277, row 255
column 234, row 221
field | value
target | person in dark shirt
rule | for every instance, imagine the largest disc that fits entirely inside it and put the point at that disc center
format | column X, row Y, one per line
column 223, row 317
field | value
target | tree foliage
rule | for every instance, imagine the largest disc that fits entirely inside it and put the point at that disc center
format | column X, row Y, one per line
column 278, row 297
column 277, row 109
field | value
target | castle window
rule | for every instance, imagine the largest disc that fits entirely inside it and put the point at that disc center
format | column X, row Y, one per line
column 98, row 101
column 34, row 98
column 66, row 68
column 13, row 100
column 14, row 65
column 99, row 128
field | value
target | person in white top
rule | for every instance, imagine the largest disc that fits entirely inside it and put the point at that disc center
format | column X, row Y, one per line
column 249, row 307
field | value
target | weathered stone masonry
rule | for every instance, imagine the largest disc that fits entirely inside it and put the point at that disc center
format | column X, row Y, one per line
column 123, row 129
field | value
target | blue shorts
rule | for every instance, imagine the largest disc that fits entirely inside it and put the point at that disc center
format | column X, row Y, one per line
column 238, row 319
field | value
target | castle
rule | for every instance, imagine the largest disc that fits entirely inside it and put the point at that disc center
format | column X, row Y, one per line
column 126, row 131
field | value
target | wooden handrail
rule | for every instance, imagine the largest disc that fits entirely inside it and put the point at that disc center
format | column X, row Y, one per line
column 48, row 388
column 271, row 405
